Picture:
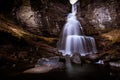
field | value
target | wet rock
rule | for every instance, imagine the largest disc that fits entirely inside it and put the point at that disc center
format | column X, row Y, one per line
column 76, row 59
column 91, row 57
column 67, row 59
column 39, row 69
column 115, row 69
column 52, row 62
column 111, row 56
column 44, row 65
column 115, row 64
column 99, row 62
column 54, row 59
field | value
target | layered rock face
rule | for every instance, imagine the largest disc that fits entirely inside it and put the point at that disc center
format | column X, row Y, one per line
column 42, row 17
column 48, row 17
column 99, row 18
column 101, row 14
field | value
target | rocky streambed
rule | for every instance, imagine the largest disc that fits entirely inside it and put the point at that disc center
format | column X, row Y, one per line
column 61, row 69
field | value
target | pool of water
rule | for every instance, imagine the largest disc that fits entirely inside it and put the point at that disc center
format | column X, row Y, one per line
column 72, row 72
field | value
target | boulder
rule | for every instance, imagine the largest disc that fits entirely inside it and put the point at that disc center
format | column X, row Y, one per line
column 39, row 69
column 45, row 65
column 115, row 67
column 76, row 59
column 52, row 62
column 115, row 64
column 90, row 58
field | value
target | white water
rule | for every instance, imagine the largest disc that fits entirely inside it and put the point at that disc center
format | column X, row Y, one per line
column 72, row 39
column 73, row 1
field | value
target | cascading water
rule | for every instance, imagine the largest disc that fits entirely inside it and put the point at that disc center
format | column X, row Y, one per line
column 72, row 40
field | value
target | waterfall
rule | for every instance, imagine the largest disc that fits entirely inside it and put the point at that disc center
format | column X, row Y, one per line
column 72, row 39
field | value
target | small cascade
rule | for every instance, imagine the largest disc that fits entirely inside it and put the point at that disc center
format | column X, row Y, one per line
column 72, row 39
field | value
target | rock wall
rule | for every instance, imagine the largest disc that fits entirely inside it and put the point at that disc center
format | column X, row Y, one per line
column 47, row 17
column 100, row 15
column 42, row 17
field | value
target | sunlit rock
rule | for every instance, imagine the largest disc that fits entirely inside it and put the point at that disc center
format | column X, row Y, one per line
column 113, row 36
column 40, row 20
column 40, row 69
column 101, row 16
column 27, row 16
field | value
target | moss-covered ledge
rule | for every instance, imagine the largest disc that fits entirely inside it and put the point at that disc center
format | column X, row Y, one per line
column 113, row 36
column 17, row 31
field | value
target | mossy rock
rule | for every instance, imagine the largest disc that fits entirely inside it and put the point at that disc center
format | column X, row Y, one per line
column 113, row 36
